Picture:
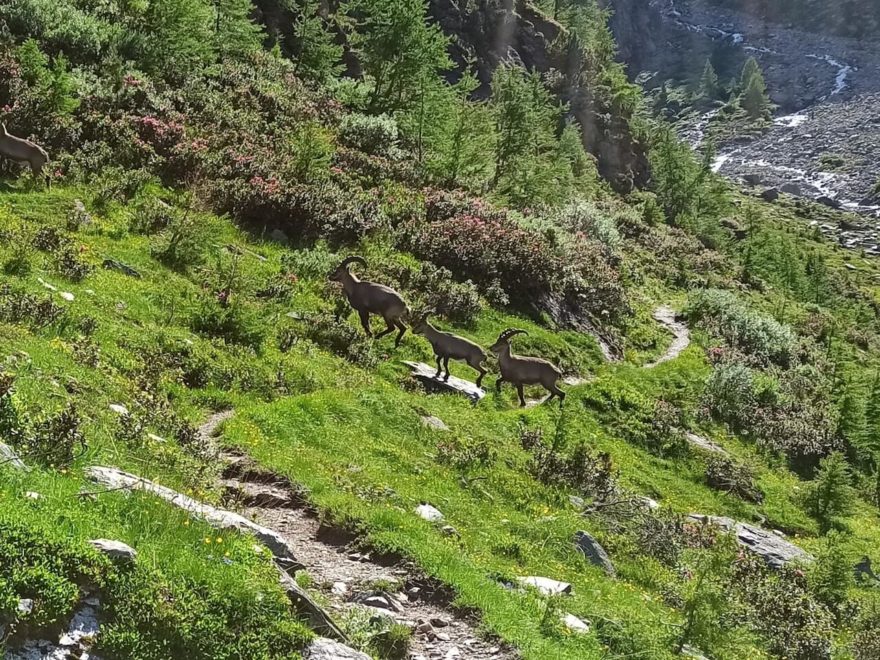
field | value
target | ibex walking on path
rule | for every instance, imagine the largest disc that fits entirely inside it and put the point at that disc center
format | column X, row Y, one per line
column 370, row 298
column 524, row 370
column 24, row 151
column 448, row 346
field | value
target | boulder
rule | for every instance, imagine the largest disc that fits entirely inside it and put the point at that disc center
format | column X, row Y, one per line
column 435, row 423
column 317, row 617
column 10, row 458
column 279, row 236
column 575, row 625
column 830, row 202
column 770, row 195
column 775, row 550
column 217, row 518
column 590, row 548
column 429, row 513
column 705, row 444
column 327, row 649
column 791, row 189
column 546, row 586
column 117, row 551
column 753, row 179
column 118, row 266
column 426, row 375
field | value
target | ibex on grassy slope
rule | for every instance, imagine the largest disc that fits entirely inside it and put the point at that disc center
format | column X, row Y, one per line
column 370, row 298
column 524, row 370
column 448, row 346
column 24, row 151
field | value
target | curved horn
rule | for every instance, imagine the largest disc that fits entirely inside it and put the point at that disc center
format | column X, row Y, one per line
column 510, row 332
column 353, row 260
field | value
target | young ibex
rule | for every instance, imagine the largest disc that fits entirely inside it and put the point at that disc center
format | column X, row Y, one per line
column 448, row 346
column 370, row 298
column 24, row 151
column 524, row 370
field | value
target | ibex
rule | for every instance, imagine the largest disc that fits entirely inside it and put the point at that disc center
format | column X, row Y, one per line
column 370, row 298
column 24, row 151
column 524, row 370
column 448, row 346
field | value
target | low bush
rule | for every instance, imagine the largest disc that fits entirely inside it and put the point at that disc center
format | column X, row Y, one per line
column 23, row 308
column 725, row 474
column 757, row 335
column 435, row 287
column 375, row 135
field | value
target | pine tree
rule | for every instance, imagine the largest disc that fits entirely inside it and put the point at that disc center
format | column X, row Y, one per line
column 400, row 51
column 318, row 56
column 709, row 82
column 852, row 427
column 754, row 99
column 831, row 494
column 831, row 575
column 872, row 418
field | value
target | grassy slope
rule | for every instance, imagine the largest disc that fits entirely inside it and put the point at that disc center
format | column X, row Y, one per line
column 354, row 438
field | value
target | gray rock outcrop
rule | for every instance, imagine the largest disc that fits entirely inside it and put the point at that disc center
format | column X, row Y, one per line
column 774, row 549
column 590, row 548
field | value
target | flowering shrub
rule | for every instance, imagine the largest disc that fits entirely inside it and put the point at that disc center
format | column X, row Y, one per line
column 489, row 250
column 585, row 218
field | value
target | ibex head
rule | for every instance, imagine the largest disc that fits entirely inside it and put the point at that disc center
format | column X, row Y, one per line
column 504, row 339
column 420, row 323
column 342, row 268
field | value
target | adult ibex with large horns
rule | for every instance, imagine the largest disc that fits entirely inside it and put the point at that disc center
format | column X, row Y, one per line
column 448, row 346
column 370, row 298
column 24, row 151
column 522, row 371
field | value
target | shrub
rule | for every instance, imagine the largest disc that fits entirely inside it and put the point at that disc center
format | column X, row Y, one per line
column 865, row 644
column 376, row 135
column 152, row 215
column 583, row 217
column 180, row 245
column 327, row 331
column 757, row 335
column 69, row 264
column 488, row 251
column 235, row 323
column 457, row 301
column 27, row 309
column 584, row 470
column 725, row 474
column 465, row 454
column 56, row 440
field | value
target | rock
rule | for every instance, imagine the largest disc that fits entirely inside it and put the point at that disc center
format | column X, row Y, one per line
column 452, row 653
column 10, row 458
column 689, row 651
column 112, row 264
column 118, row 408
column 31, row 495
column 449, row 530
column 339, row 589
column 770, row 195
column 575, row 625
column 83, row 625
column 326, row 649
column 434, row 423
column 593, row 551
column 217, row 518
column 117, row 551
column 776, row 551
column 439, row 623
column 545, row 586
column 753, row 179
column 577, row 502
column 705, row 444
column 381, row 602
column 791, row 189
column 25, row 606
column 279, row 236
column 302, row 602
column 429, row 513
column 830, row 202
column 666, row 317
column 66, row 295
column 648, row 503
column 425, row 374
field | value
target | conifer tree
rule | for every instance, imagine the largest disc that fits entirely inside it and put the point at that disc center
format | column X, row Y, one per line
column 831, row 494
column 318, row 56
column 754, row 99
column 709, row 82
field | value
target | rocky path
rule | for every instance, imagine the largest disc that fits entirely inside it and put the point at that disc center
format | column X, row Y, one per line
column 665, row 316
column 351, row 580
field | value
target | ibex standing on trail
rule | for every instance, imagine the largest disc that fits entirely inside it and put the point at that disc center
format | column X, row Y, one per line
column 450, row 347
column 370, row 298
column 524, row 370
column 24, row 151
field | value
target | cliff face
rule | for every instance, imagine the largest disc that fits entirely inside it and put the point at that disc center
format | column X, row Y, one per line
column 488, row 32
column 844, row 18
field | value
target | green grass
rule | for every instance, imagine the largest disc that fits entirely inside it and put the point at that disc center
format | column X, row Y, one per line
column 354, row 438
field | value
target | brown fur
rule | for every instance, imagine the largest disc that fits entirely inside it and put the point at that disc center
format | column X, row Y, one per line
column 24, row 151
column 525, row 370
